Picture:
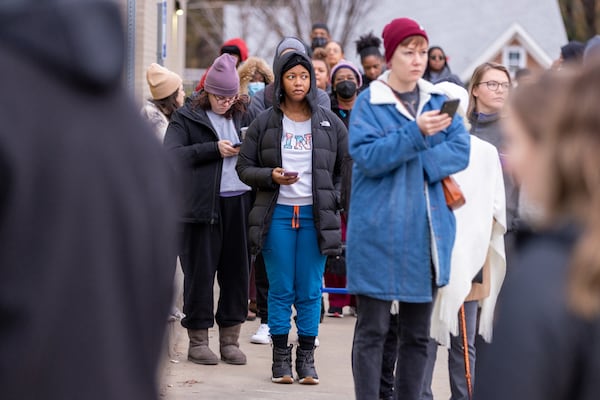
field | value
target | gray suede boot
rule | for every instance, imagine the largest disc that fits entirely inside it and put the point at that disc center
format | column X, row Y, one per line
column 230, row 346
column 199, row 352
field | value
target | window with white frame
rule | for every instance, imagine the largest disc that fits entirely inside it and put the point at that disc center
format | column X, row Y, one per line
column 514, row 58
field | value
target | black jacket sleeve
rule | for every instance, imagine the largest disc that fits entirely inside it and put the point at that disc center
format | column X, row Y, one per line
column 248, row 166
column 341, row 155
column 177, row 141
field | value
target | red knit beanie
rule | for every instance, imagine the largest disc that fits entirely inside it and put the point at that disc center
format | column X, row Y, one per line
column 398, row 30
column 236, row 43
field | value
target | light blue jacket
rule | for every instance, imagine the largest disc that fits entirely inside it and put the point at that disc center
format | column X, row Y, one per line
column 400, row 232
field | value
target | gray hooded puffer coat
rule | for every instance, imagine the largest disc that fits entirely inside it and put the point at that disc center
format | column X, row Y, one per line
column 261, row 153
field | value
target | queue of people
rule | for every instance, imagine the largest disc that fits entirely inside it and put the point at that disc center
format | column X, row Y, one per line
column 309, row 173
column 456, row 205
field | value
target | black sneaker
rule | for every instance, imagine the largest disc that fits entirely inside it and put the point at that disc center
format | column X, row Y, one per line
column 305, row 367
column 282, row 365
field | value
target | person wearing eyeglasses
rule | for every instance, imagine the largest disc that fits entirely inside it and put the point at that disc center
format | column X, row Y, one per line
column 203, row 138
column 489, row 88
column 438, row 69
column 292, row 156
column 488, row 91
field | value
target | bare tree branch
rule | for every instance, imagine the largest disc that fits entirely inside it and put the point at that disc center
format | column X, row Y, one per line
column 280, row 17
column 298, row 16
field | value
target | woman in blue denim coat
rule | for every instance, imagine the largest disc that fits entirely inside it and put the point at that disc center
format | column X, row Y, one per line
column 401, row 233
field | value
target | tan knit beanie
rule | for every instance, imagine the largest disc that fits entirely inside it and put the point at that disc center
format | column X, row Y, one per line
column 162, row 82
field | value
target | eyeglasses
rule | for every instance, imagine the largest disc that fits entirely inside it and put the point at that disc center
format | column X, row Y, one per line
column 225, row 100
column 437, row 58
column 494, row 85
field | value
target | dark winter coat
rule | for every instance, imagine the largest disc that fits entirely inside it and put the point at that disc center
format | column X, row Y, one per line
column 261, row 153
column 488, row 128
column 541, row 349
column 87, row 226
column 344, row 116
column 192, row 140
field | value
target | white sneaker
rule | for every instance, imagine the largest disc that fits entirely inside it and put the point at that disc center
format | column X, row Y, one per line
column 262, row 335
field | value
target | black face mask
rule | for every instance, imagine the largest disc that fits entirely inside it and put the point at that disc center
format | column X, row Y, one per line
column 318, row 42
column 346, row 89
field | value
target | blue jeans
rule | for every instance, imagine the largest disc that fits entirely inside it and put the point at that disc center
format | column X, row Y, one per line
column 295, row 267
column 372, row 326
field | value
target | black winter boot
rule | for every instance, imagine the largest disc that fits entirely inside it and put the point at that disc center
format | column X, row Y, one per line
column 282, row 365
column 305, row 367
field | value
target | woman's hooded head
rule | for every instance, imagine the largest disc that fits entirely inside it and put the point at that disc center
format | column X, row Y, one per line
column 283, row 64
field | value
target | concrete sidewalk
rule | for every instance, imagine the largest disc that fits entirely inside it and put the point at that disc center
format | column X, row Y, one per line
column 183, row 380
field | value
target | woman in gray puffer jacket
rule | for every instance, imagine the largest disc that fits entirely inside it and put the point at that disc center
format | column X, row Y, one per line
column 292, row 156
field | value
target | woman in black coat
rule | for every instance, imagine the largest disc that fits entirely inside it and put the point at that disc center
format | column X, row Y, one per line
column 292, row 156
column 203, row 137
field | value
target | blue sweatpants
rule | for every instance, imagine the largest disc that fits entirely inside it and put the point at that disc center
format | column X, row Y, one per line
column 295, row 269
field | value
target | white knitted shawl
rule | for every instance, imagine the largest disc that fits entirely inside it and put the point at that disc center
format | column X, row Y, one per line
column 480, row 228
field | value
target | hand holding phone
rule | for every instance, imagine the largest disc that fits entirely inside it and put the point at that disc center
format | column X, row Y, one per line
column 283, row 177
column 236, row 145
column 432, row 122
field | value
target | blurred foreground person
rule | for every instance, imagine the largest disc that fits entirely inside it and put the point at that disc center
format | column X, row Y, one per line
column 86, row 223
column 547, row 338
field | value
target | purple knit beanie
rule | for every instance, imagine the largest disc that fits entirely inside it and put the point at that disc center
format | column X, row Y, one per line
column 346, row 64
column 222, row 78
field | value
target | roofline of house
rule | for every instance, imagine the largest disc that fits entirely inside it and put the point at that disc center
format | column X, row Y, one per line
column 513, row 31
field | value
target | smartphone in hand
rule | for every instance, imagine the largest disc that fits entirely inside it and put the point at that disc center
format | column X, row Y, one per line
column 292, row 174
column 236, row 145
column 450, row 107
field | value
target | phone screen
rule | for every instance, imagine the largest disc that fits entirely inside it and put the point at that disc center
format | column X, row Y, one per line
column 449, row 107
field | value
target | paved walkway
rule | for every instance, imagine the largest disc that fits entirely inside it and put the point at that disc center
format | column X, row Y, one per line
column 183, row 380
